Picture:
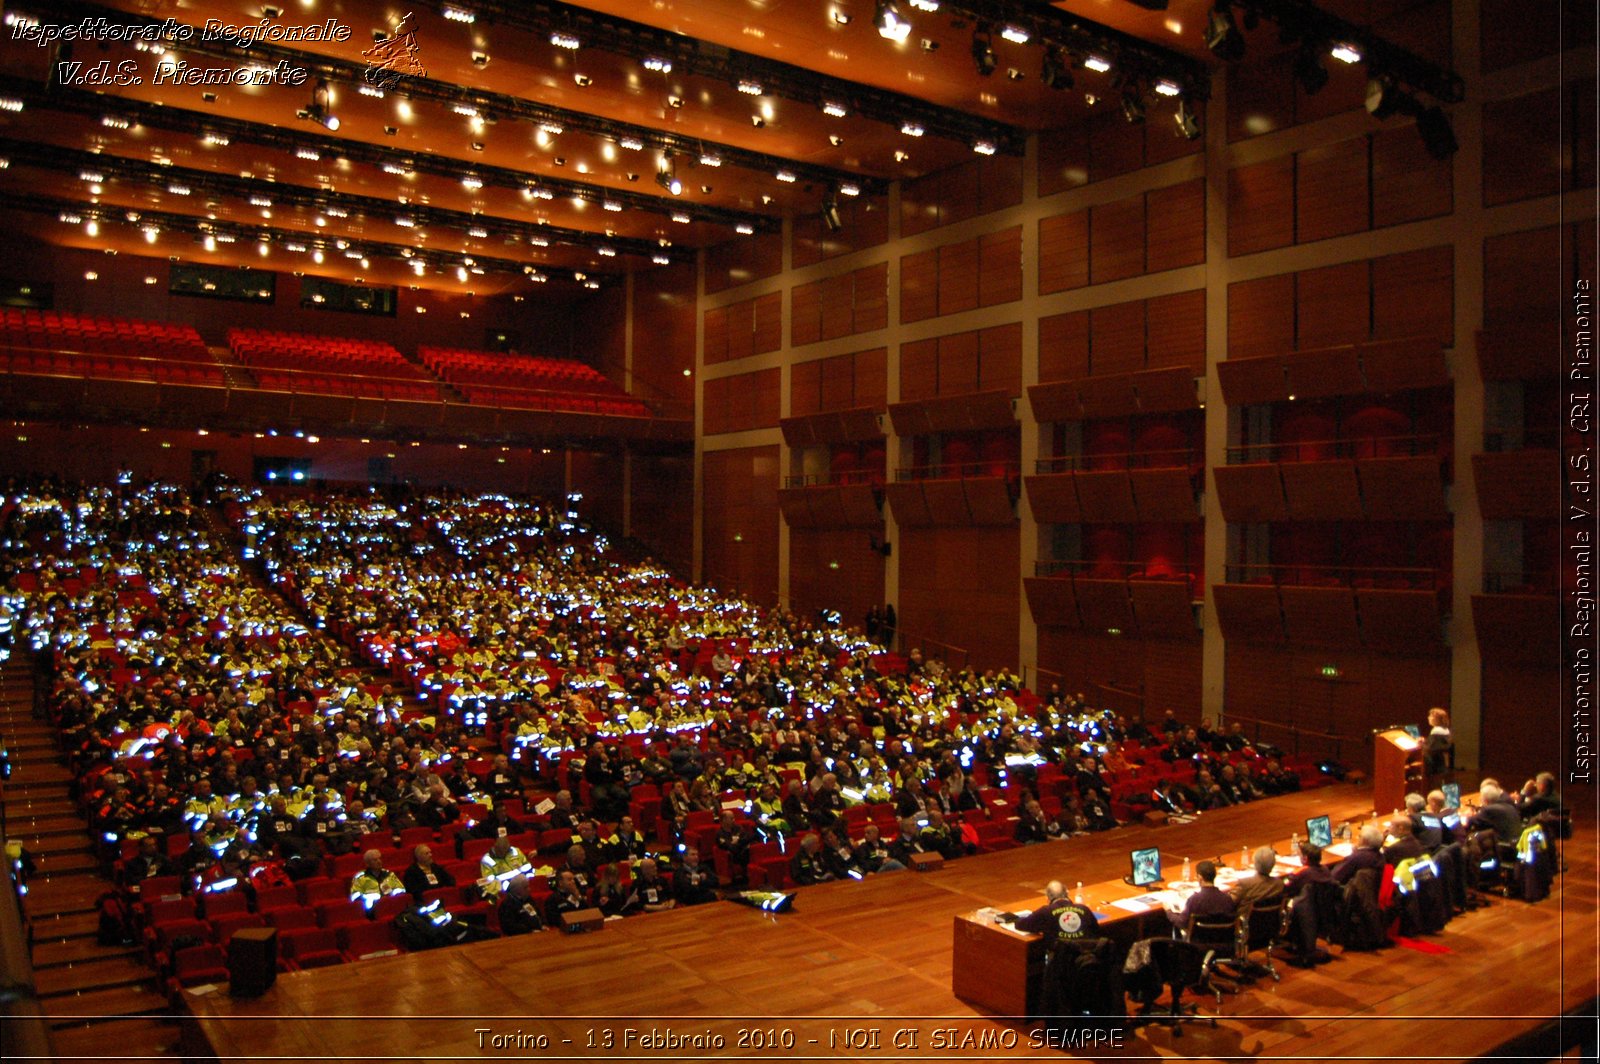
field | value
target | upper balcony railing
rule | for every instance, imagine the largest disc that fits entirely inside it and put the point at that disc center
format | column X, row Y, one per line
column 1180, row 458
column 1429, row 443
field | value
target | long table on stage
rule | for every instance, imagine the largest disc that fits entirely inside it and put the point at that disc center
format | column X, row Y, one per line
column 998, row 968
column 877, row 957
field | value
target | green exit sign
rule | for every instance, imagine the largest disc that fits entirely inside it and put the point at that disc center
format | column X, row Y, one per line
column 1330, row 671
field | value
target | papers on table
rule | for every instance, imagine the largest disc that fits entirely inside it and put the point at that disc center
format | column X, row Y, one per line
column 1158, row 899
column 1341, row 849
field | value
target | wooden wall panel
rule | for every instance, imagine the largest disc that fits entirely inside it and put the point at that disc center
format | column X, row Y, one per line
column 1116, row 240
column 958, row 277
column 1064, row 346
column 1331, row 191
column 919, row 286
column 838, row 316
column 872, row 377
column 1000, row 267
column 737, row 262
column 1522, row 280
column 1063, row 158
column 663, row 507
column 960, row 586
column 766, row 333
column 664, row 332
column 1521, row 720
column 958, row 363
column 805, row 388
column 1332, row 304
column 1176, row 331
column 872, row 297
column 1408, row 184
column 1115, row 147
column 838, row 382
column 1413, row 294
column 1000, row 359
column 919, row 370
column 999, row 182
column 1063, row 252
column 1515, row 32
column 739, row 521
column 1518, row 137
column 743, row 401
column 852, row 588
column 1116, row 338
column 1261, row 206
column 741, row 329
column 1261, row 316
column 805, row 314
column 1176, row 226
column 716, row 335
column 866, row 225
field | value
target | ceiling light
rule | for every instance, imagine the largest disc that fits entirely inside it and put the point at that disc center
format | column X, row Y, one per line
column 209, row 243
column 911, row 129
column 744, row 229
column 307, row 154
column 260, row 201
column 10, row 103
column 471, row 182
column 841, row 17
column 667, row 177
column 681, row 218
column 1096, row 64
column 90, row 176
column 583, row 81
column 750, row 88
column 406, row 222
column 835, row 140
column 1014, row 34
column 612, row 205
column 466, row 110
column 316, row 256
column 151, row 234
column 983, row 50
column 371, row 90
column 1346, row 53
column 113, row 122
column 710, row 160
column 901, row 156
column 91, row 227
column 555, row 129
column 786, row 176
column 1167, row 88
column 179, row 190
column 849, row 190
column 609, row 253
column 591, row 284
column 659, row 65
column 984, row 147
column 631, row 143
column 674, row 102
column 891, row 26
column 456, row 14
column 661, row 260
column 925, row 5
column 836, row 110
column 478, row 233
column 565, row 40
column 1223, row 36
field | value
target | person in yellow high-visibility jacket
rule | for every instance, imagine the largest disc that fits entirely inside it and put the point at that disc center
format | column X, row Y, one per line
column 374, row 880
column 501, row 863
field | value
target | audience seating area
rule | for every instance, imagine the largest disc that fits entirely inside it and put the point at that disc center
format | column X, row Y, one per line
column 529, row 382
column 329, row 365
column 54, row 342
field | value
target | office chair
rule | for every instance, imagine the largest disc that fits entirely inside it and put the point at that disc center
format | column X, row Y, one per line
column 1219, row 937
column 1261, row 932
column 1175, row 965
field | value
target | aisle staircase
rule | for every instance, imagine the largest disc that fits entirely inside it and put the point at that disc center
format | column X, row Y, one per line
column 96, row 996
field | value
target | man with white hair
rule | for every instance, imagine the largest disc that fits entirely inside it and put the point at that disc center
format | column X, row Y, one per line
column 374, row 880
column 1262, row 888
column 1497, row 813
column 1367, row 854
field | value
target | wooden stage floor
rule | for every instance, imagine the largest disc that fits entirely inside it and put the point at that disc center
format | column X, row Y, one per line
column 871, row 961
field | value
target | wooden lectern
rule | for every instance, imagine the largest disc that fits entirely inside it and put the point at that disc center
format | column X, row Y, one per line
column 1396, row 768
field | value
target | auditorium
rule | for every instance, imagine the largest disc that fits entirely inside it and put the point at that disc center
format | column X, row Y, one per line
column 798, row 529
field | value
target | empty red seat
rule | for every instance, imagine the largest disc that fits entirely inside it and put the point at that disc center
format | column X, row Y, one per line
column 197, row 965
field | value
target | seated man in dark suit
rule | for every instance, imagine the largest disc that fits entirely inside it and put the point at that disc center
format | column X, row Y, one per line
column 1206, row 903
column 518, row 913
column 1539, row 797
column 1401, row 844
column 1367, row 854
column 1262, row 888
column 1496, row 813
column 1300, row 890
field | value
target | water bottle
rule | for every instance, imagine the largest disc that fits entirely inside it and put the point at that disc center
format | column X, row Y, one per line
column 1185, row 870
column 1294, row 844
column 1244, row 858
column 1078, row 897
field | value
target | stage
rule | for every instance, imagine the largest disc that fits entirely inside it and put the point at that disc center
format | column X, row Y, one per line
column 863, row 970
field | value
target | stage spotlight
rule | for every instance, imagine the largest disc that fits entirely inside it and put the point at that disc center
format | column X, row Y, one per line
column 318, row 110
column 667, row 177
column 1437, row 136
column 1132, row 104
column 891, row 26
column 1188, row 124
column 1308, row 69
column 1054, row 71
column 830, row 214
column 983, row 50
column 1223, row 36
column 1384, row 97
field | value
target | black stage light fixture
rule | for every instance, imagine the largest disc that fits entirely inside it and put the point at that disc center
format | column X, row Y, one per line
column 1384, row 97
column 1309, row 70
column 1188, row 124
column 1054, row 71
column 891, row 25
column 667, row 176
column 983, row 50
column 1437, row 136
column 1133, row 104
column 1223, row 36
column 318, row 110
column 830, row 213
